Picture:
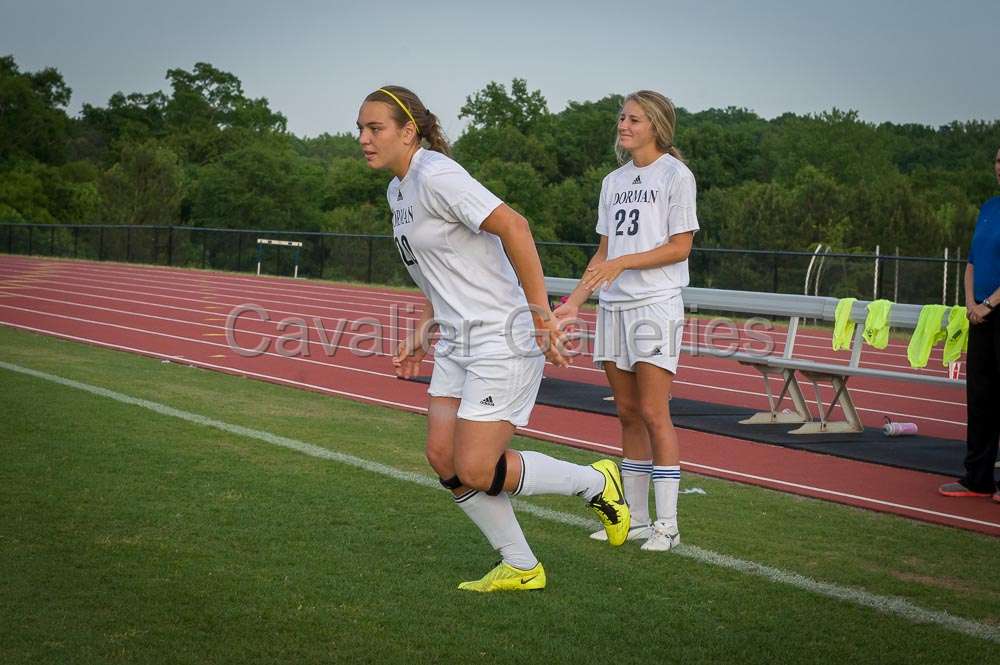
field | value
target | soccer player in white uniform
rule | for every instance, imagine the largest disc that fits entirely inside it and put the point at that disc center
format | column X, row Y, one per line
column 468, row 251
column 646, row 220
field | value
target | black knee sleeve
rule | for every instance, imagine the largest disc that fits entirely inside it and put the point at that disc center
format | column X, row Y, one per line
column 499, row 476
column 452, row 483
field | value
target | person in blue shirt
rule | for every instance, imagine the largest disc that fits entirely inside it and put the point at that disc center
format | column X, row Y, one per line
column 982, row 300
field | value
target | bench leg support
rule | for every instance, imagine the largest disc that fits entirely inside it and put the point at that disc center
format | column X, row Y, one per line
column 841, row 396
column 790, row 388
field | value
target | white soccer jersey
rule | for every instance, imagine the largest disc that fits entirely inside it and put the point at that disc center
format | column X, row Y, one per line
column 436, row 212
column 640, row 208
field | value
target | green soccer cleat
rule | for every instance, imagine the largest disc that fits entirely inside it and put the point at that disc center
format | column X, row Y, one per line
column 610, row 504
column 508, row 578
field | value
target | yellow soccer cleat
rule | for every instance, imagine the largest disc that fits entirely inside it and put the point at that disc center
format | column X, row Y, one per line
column 610, row 505
column 508, row 578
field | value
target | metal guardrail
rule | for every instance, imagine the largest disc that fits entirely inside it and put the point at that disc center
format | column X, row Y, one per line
column 785, row 305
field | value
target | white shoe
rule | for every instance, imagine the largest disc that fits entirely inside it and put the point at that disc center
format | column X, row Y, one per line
column 664, row 537
column 640, row 532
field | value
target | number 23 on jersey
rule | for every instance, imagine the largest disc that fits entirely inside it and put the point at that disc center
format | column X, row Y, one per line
column 632, row 216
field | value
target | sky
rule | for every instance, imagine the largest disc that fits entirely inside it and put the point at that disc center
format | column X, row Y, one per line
column 892, row 60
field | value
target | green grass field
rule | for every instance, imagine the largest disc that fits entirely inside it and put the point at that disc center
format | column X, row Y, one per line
column 128, row 535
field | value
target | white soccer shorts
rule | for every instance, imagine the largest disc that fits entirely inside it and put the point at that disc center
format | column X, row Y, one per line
column 491, row 389
column 648, row 333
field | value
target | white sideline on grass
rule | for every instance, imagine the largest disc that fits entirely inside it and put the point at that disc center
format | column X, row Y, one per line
column 886, row 604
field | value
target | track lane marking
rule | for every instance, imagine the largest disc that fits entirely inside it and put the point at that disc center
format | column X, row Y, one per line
column 380, row 353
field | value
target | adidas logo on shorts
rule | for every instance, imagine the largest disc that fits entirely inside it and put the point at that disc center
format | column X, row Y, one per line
column 488, row 401
column 637, row 181
column 657, row 351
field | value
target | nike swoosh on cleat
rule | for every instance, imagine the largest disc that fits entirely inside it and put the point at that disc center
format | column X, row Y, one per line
column 618, row 488
column 525, row 581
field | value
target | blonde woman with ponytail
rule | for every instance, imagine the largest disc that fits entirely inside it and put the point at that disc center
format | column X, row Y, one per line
column 646, row 220
column 474, row 258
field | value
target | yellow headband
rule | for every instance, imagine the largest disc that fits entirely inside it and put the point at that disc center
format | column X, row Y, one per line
column 402, row 106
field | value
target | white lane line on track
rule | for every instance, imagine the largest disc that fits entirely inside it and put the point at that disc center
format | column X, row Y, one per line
column 826, row 390
column 422, row 409
column 212, row 279
column 280, row 286
column 582, row 368
column 845, row 495
column 205, row 323
column 194, row 341
column 765, row 479
column 221, row 368
column 828, row 358
column 316, row 362
column 95, row 284
column 353, row 293
column 257, row 291
column 430, row 361
column 893, row 605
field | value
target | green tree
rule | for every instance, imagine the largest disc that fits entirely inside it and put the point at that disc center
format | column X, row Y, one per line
column 836, row 142
column 24, row 193
column 351, row 182
column 570, row 207
column 208, row 115
column 144, row 187
column 261, row 185
column 506, row 143
column 582, row 135
column 362, row 219
column 722, row 146
column 210, row 97
column 33, row 120
column 135, row 117
column 493, row 107
column 327, row 147
column 520, row 187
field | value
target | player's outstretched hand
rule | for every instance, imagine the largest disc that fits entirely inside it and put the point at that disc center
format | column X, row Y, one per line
column 406, row 362
column 567, row 318
column 551, row 340
column 602, row 273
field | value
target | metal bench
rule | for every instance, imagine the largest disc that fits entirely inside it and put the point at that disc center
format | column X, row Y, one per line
column 786, row 366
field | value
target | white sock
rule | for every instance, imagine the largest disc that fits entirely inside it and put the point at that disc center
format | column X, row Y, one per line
column 666, row 482
column 495, row 518
column 541, row 474
column 635, row 478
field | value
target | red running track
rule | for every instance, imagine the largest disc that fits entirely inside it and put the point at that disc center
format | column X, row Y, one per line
column 180, row 315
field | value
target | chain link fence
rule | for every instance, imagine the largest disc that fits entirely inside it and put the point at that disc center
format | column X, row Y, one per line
column 375, row 259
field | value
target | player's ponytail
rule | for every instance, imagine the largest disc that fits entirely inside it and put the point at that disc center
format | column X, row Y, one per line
column 431, row 131
column 407, row 107
column 662, row 115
